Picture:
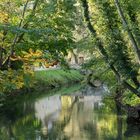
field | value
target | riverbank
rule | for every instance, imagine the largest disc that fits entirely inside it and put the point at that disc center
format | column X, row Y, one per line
column 50, row 79
column 56, row 78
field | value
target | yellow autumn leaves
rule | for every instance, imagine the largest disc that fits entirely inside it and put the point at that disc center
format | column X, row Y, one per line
column 16, row 79
column 3, row 17
column 11, row 80
column 31, row 57
column 28, row 56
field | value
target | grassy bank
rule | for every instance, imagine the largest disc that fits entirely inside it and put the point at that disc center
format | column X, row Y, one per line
column 57, row 78
column 38, row 80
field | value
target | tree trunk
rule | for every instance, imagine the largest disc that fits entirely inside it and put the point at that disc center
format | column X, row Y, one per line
column 125, row 24
column 2, row 50
column 75, row 57
column 119, row 122
column 0, row 57
column 18, row 37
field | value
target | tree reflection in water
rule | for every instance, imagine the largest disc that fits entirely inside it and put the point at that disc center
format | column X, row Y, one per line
column 83, row 115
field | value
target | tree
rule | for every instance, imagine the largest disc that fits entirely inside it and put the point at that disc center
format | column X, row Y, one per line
column 113, row 39
column 102, row 49
column 31, row 26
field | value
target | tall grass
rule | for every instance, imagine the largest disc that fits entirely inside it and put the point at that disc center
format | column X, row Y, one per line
column 57, row 77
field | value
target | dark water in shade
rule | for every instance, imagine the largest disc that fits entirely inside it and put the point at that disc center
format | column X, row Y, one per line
column 80, row 115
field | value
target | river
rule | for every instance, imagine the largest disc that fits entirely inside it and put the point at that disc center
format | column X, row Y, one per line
column 72, row 113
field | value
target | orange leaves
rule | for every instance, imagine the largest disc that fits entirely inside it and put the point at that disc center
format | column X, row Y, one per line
column 31, row 58
column 14, row 58
column 31, row 55
column 28, row 56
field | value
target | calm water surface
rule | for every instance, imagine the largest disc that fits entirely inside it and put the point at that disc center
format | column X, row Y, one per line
column 85, row 114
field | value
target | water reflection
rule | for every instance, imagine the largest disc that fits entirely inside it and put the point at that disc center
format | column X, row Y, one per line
column 83, row 115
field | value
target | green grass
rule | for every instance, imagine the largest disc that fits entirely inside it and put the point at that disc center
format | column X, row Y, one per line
column 57, row 77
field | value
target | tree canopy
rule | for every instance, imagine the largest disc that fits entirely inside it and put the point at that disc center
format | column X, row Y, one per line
column 45, row 30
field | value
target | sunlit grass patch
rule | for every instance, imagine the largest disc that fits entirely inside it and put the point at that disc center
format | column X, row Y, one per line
column 57, row 77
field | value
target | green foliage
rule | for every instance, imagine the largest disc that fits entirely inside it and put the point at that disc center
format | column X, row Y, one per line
column 101, row 71
column 94, row 63
column 113, row 40
column 45, row 26
column 52, row 27
column 130, row 99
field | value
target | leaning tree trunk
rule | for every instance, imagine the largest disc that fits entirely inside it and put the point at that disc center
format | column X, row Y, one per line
column 103, row 51
column 125, row 24
column 17, row 35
